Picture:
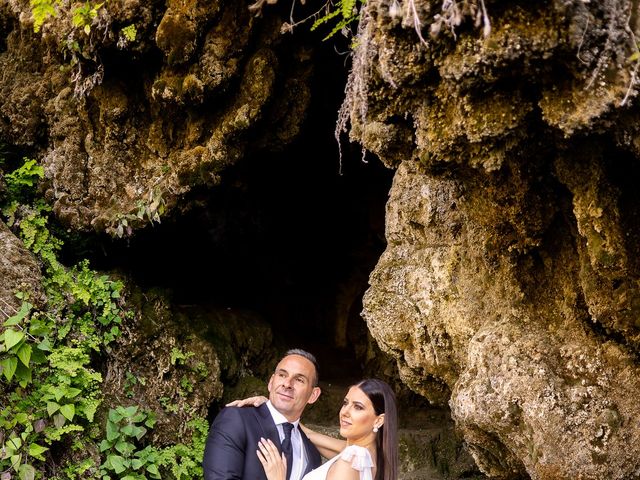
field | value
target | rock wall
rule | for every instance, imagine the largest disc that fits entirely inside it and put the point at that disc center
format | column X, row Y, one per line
column 19, row 271
column 509, row 286
column 128, row 126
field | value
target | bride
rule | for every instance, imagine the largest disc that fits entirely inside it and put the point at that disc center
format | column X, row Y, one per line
column 368, row 423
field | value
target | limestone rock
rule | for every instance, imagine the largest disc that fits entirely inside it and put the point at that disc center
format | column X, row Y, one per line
column 173, row 360
column 161, row 367
column 19, row 271
column 509, row 286
column 128, row 133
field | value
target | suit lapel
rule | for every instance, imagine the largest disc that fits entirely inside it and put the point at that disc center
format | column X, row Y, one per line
column 310, row 453
column 269, row 429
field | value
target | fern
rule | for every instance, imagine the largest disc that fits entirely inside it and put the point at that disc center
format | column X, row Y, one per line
column 345, row 10
column 348, row 8
column 42, row 9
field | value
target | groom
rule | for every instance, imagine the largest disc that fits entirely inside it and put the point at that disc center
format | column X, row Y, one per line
column 233, row 439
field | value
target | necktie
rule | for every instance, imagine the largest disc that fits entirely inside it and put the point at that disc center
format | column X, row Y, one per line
column 287, row 448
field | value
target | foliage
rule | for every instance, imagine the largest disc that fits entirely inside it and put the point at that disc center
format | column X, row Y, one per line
column 50, row 389
column 129, row 32
column 21, row 181
column 83, row 16
column 151, row 210
column 183, row 462
column 344, row 11
column 125, row 428
column 75, row 29
column 42, row 10
column 126, row 458
column 178, row 356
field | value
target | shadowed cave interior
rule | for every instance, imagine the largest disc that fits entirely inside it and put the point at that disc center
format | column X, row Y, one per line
column 291, row 236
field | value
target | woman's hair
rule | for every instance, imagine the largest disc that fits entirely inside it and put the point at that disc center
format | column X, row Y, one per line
column 384, row 401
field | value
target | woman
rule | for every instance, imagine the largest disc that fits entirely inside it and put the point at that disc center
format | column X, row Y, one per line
column 369, row 424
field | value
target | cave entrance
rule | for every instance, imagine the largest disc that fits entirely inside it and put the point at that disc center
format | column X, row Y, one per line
column 290, row 235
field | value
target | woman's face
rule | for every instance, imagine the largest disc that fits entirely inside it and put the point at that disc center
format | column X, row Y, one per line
column 357, row 418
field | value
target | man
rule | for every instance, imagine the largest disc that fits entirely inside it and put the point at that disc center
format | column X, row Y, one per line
column 233, row 439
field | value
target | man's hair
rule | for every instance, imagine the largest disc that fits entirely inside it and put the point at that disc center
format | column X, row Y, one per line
column 308, row 356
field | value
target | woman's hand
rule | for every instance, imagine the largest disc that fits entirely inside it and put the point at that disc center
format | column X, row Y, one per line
column 273, row 462
column 248, row 402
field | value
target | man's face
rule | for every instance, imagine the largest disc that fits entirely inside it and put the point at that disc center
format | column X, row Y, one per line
column 291, row 386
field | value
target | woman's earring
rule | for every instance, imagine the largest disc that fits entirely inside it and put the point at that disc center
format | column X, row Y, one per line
column 375, row 429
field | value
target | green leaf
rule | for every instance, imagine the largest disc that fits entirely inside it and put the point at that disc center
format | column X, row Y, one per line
column 9, row 365
column 325, row 19
column 13, row 445
column 15, row 461
column 89, row 409
column 136, row 463
column 12, row 337
column 114, row 416
column 23, row 375
column 112, row 431
column 36, row 451
column 130, row 411
column 133, row 431
column 117, row 463
column 23, row 419
column 68, row 410
column 44, row 345
column 39, row 327
column 105, row 445
column 72, row 392
column 18, row 317
column 26, row 472
column 153, row 470
column 24, row 354
column 59, row 420
column 52, row 407
column 58, row 393
column 38, row 357
column 125, row 448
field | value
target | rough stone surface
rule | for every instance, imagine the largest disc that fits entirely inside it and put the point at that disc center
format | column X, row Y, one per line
column 509, row 289
column 509, row 286
column 127, row 127
column 173, row 360
column 163, row 367
column 19, row 271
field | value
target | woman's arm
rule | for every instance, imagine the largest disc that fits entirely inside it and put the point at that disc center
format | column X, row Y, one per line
column 328, row 446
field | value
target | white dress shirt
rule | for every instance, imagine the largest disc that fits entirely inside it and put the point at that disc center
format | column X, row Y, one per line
column 299, row 460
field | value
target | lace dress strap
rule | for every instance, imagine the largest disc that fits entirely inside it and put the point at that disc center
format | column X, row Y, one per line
column 360, row 460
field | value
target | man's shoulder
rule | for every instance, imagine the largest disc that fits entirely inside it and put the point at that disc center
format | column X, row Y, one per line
column 240, row 413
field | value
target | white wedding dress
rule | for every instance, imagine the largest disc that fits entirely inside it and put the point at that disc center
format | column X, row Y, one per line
column 360, row 460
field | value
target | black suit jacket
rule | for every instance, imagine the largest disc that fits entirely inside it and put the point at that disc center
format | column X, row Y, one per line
column 233, row 439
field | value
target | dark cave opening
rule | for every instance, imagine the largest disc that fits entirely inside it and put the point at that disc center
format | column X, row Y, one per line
column 290, row 235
